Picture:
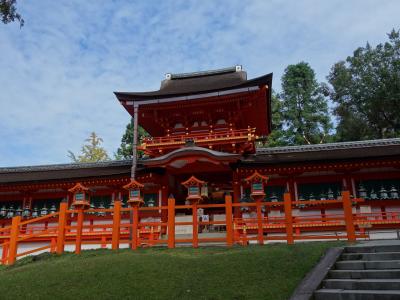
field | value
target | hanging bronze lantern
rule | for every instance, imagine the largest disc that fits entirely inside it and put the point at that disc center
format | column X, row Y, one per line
column 35, row 212
column 362, row 192
column 383, row 194
column 18, row 211
column 44, row 211
column 53, row 209
column 10, row 213
column 27, row 212
column 331, row 195
column 394, row 194
column 3, row 211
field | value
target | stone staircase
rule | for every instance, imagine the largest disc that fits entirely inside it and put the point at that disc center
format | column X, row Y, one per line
column 363, row 272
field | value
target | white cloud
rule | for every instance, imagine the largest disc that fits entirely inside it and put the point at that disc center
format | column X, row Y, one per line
column 59, row 71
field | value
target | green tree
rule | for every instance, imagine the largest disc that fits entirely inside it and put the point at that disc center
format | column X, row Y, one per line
column 91, row 151
column 125, row 150
column 366, row 91
column 8, row 12
column 277, row 136
column 305, row 111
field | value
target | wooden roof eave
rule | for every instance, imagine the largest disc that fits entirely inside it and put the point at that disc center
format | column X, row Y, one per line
column 154, row 95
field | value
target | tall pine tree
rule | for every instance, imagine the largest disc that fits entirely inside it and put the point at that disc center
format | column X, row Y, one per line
column 277, row 136
column 125, row 149
column 304, row 107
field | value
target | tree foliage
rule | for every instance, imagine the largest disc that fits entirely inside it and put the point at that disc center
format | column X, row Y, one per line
column 125, row 150
column 8, row 12
column 91, row 151
column 366, row 91
column 277, row 136
column 304, row 108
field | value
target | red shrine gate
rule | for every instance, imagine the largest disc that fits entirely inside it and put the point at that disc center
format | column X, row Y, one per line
column 202, row 180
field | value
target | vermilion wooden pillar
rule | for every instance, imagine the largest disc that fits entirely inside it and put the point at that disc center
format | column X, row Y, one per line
column 62, row 217
column 171, row 222
column 135, row 225
column 4, row 254
column 116, row 224
column 164, row 202
column 12, row 252
column 289, row 219
column 260, row 231
column 229, row 220
column 348, row 216
column 195, row 227
column 79, row 227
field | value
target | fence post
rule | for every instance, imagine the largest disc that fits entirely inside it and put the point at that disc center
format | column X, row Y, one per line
column 195, row 228
column 171, row 222
column 62, row 216
column 260, row 230
column 228, row 220
column 135, row 225
column 13, row 248
column 116, row 224
column 4, row 255
column 79, row 226
column 53, row 245
column 289, row 219
column 103, row 242
column 348, row 216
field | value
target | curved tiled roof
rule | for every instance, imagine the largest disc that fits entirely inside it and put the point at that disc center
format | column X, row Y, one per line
column 322, row 152
column 191, row 150
column 68, row 166
column 64, row 171
column 329, row 151
column 196, row 83
column 330, row 146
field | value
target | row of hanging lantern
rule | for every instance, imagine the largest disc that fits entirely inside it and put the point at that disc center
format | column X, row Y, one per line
column 27, row 212
column 382, row 194
column 330, row 195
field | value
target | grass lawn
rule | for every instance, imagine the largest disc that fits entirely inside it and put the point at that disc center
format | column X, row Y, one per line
column 254, row 272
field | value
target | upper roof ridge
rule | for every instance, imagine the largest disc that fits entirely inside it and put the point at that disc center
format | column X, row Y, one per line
column 175, row 76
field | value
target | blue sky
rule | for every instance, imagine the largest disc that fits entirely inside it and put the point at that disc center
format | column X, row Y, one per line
column 58, row 72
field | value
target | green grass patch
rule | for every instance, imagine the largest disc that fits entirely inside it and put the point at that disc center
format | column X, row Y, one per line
column 254, row 272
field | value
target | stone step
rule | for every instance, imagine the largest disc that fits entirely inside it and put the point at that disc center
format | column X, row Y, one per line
column 338, row 294
column 371, row 256
column 364, row 274
column 362, row 284
column 367, row 265
column 372, row 249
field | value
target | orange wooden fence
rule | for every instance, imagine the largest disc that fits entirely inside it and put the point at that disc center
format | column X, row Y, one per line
column 68, row 227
